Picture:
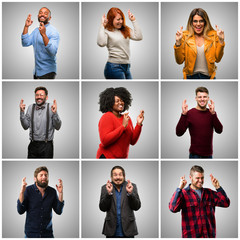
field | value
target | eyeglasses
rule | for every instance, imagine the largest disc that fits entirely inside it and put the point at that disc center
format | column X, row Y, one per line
column 198, row 21
column 39, row 95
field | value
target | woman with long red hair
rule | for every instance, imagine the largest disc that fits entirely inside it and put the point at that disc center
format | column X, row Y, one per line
column 114, row 34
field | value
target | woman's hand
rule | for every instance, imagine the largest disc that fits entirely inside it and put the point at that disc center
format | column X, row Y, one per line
column 140, row 118
column 131, row 16
column 179, row 36
column 104, row 20
column 125, row 119
column 220, row 34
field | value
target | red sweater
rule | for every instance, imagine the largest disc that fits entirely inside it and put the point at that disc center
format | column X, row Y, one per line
column 200, row 124
column 115, row 138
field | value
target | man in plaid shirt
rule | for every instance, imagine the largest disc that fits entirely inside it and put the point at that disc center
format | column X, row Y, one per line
column 198, row 204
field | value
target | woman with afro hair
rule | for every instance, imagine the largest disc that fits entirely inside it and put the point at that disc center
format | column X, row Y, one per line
column 116, row 130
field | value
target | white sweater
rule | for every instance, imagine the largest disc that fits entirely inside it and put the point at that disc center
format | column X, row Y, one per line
column 118, row 46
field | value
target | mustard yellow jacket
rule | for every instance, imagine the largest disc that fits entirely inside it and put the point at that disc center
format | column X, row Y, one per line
column 187, row 52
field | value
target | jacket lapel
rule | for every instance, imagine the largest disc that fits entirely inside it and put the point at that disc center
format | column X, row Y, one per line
column 124, row 193
column 192, row 44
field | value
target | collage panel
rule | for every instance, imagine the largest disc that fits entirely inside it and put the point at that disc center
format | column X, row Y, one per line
column 186, row 129
column 139, row 198
column 219, row 42
column 105, row 52
column 33, row 213
column 104, row 134
column 24, row 54
column 63, row 116
column 215, row 215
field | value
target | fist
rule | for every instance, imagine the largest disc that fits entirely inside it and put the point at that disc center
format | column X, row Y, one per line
column 42, row 29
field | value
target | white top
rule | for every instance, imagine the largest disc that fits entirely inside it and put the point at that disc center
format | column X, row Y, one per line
column 201, row 62
column 118, row 46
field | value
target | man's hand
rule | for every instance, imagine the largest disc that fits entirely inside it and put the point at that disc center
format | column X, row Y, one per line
column 183, row 182
column 179, row 35
column 104, row 20
column 140, row 118
column 215, row 182
column 29, row 21
column 59, row 186
column 131, row 16
column 125, row 119
column 54, row 106
column 129, row 187
column 24, row 185
column 184, row 107
column 42, row 29
column 22, row 106
column 109, row 187
column 211, row 107
column 220, row 34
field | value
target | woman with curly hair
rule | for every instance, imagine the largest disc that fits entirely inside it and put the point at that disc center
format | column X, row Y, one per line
column 114, row 34
column 200, row 46
column 116, row 129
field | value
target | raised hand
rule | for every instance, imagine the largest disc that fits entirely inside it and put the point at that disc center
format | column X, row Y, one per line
column 220, row 34
column 125, row 119
column 29, row 21
column 104, row 20
column 211, row 107
column 184, row 107
column 183, row 182
column 179, row 35
column 129, row 187
column 140, row 118
column 22, row 106
column 24, row 185
column 59, row 186
column 54, row 106
column 131, row 16
column 42, row 29
column 215, row 182
column 109, row 187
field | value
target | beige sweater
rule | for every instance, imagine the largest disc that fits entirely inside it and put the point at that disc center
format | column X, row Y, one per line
column 118, row 46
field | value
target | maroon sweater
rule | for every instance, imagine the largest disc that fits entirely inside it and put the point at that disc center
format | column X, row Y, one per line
column 200, row 124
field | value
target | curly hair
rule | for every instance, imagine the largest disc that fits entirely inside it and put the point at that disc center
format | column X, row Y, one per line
column 107, row 98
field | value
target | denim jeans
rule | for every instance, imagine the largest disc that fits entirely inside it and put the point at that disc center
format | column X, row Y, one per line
column 192, row 155
column 198, row 76
column 117, row 71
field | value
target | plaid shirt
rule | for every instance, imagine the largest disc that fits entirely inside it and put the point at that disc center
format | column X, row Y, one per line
column 198, row 215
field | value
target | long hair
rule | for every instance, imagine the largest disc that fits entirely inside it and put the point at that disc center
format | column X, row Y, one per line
column 112, row 13
column 207, row 25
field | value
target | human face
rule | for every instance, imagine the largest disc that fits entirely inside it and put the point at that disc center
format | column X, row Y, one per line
column 43, row 15
column 202, row 99
column 118, row 21
column 42, row 179
column 118, row 105
column 198, row 24
column 117, row 177
column 197, row 180
column 40, row 97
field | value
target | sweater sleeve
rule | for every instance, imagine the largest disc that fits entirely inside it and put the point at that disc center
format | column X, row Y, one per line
column 136, row 134
column 219, row 49
column 176, row 201
column 136, row 33
column 182, row 125
column 217, row 124
column 108, row 134
column 102, row 38
column 179, row 51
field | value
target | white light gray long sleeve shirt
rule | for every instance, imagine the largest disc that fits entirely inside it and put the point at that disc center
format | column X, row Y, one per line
column 40, row 123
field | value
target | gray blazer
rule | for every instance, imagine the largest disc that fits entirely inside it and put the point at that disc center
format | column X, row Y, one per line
column 128, row 204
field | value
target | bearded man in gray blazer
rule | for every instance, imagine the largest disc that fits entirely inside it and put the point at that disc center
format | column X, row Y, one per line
column 119, row 198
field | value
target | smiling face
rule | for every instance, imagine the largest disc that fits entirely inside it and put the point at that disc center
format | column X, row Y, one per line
column 197, row 180
column 42, row 179
column 117, row 177
column 202, row 99
column 118, row 21
column 44, row 15
column 118, row 105
column 198, row 24
column 40, row 97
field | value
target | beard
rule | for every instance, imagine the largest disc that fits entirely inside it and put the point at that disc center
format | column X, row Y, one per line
column 45, row 21
column 41, row 184
column 40, row 104
column 202, row 107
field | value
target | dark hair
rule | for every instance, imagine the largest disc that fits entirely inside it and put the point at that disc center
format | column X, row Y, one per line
column 107, row 100
column 196, row 168
column 118, row 167
column 41, row 88
column 39, row 169
column 48, row 10
column 201, row 89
